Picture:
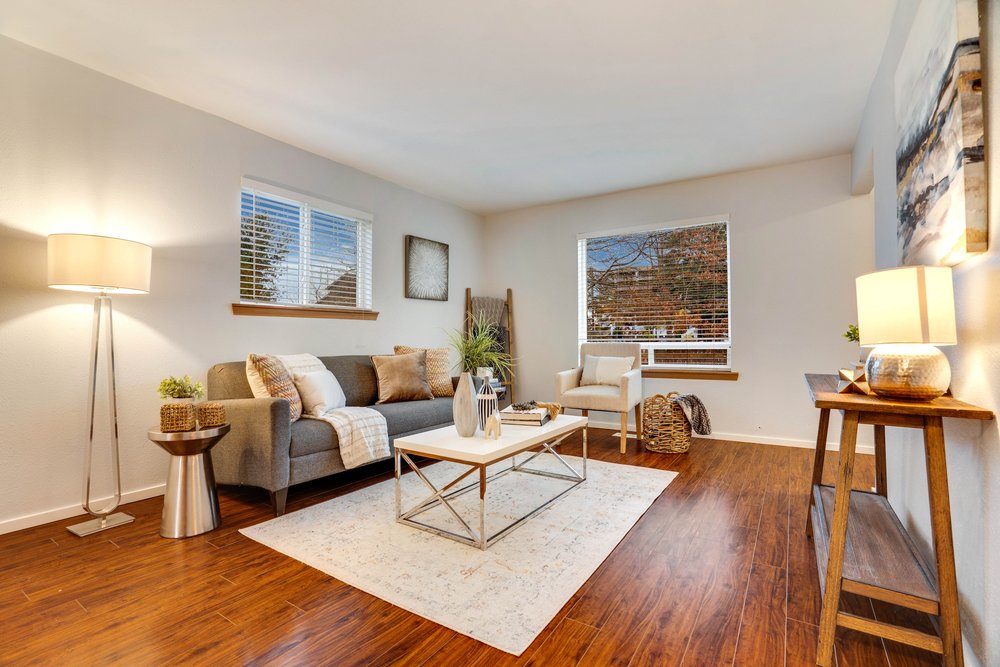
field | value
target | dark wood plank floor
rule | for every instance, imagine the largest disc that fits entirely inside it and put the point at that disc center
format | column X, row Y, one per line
column 717, row 572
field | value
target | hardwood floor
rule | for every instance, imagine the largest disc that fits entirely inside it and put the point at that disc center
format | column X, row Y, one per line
column 717, row 572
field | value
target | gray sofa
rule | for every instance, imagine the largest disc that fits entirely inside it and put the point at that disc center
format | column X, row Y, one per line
column 263, row 449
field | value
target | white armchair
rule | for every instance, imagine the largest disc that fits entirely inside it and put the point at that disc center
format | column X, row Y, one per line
column 622, row 398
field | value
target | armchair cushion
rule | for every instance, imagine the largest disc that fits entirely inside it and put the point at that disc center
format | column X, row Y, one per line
column 594, row 397
column 605, row 370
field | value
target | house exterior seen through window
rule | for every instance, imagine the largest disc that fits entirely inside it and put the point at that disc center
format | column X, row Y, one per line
column 298, row 250
column 665, row 287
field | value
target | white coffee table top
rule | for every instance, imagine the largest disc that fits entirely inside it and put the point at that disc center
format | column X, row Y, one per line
column 446, row 443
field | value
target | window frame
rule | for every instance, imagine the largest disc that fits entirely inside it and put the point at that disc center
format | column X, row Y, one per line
column 651, row 346
column 364, row 256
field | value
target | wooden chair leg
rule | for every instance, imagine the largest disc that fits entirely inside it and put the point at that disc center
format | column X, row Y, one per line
column 585, row 413
column 638, row 423
column 624, row 430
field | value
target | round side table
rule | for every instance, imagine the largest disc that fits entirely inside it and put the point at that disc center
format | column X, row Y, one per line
column 191, row 503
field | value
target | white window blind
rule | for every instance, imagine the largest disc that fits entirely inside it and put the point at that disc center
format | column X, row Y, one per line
column 298, row 250
column 665, row 287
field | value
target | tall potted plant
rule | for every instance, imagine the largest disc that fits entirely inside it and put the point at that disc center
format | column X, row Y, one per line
column 476, row 346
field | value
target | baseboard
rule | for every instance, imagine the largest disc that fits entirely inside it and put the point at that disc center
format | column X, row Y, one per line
column 32, row 520
column 755, row 439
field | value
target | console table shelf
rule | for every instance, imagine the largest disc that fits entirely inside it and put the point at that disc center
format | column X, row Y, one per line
column 861, row 546
column 880, row 559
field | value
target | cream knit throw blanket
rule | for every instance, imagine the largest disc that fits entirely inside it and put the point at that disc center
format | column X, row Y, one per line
column 362, row 434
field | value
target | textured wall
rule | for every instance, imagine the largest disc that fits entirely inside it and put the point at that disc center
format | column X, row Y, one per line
column 83, row 152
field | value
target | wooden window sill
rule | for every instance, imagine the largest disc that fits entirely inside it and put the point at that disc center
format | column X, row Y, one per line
column 682, row 374
column 273, row 310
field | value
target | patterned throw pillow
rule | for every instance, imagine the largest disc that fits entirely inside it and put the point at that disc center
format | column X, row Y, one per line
column 268, row 377
column 438, row 375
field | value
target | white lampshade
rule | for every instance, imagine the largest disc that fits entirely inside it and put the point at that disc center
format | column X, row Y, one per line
column 912, row 304
column 87, row 263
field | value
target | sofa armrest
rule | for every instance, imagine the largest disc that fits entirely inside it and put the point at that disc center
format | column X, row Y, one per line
column 566, row 380
column 631, row 386
column 255, row 452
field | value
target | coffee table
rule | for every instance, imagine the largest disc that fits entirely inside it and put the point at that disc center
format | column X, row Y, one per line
column 477, row 452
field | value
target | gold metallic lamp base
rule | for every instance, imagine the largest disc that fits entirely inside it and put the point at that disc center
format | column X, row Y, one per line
column 100, row 523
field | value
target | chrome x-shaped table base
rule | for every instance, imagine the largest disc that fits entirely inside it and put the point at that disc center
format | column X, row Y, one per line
column 442, row 496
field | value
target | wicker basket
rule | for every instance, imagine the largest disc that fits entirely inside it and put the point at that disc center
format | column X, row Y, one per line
column 211, row 415
column 176, row 417
column 664, row 426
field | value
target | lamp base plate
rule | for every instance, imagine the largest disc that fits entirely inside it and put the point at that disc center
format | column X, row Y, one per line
column 100, row 523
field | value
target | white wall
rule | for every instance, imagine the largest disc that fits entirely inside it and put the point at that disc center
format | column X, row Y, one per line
column 798, row 239
column 86, row 153
column 973, row 448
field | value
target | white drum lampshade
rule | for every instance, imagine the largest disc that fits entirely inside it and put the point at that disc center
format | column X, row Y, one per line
column 86, row 263
column 904, row 313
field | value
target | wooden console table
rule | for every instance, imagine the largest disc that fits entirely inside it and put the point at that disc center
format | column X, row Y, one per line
column 872, row 554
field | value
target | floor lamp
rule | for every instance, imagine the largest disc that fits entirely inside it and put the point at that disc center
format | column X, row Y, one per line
column 104, row 266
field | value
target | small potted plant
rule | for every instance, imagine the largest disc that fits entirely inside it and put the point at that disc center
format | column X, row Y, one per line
column 853, row 335
column 178, row 413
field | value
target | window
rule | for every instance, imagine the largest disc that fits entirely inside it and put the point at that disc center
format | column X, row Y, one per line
column 300, row 251
column 666, row 288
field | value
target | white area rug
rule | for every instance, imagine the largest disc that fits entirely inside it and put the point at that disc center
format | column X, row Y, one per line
column 504, row 596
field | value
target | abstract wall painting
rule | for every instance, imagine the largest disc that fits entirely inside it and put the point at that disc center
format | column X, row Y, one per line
column 940, row 152
column 426, row 269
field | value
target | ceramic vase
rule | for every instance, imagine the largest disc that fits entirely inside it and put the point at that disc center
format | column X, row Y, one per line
column 487, row 400
column 463, row 406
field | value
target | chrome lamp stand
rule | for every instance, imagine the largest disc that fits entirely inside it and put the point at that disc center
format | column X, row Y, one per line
column 105, row 517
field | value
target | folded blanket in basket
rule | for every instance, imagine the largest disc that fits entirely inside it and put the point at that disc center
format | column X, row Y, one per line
column 695, row 412
column 362, row 434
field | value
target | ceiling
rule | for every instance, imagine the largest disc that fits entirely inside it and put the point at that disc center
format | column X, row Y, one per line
column 504, row 104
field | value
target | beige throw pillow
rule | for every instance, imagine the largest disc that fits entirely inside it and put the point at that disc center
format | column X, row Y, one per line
column 438, row 375
column 402, row 377
column 605, row 370
column 268, row 377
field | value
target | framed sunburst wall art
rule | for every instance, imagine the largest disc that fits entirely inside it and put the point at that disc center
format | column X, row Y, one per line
column 940, row 149
column 426, row 269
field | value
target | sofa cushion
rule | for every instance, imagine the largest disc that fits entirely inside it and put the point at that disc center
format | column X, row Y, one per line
column 309, row 436
column 356, row 376
column 415, row 415
column 438, row 376
column 268, row 377
column 402, row 377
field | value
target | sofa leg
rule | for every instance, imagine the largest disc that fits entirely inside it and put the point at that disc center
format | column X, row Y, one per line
column 278, row 499
column 624, row 430
column 585, row 413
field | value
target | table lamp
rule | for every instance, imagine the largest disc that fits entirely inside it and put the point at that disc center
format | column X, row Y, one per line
column 105, row 266
column 904, row 313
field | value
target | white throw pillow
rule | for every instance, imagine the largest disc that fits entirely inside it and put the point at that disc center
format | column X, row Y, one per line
column 300, row 364
column 605, row 370
column 320, row 392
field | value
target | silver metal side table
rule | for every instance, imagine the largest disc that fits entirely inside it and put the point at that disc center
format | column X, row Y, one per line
column 191, row 503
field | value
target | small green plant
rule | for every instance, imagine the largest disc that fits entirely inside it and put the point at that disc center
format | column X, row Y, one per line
column 479, row 346
column 852, row 334
column 184, row 387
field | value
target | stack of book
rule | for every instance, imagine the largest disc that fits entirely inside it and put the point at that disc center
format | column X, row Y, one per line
column 533, row 417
